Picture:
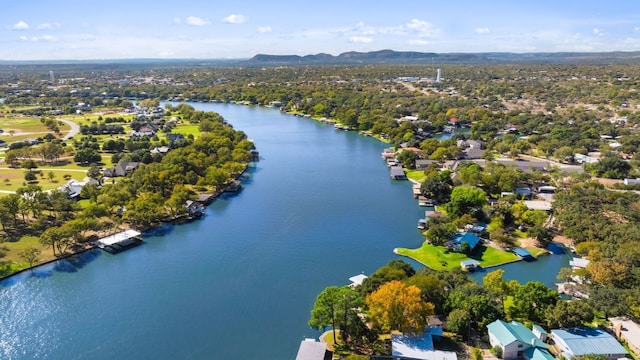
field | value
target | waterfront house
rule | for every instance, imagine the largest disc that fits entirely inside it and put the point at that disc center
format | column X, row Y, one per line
column 464, row 237
column 313, row 350
column 422, row 164
column 516, row 341
column 587, row 341
column 420, row 346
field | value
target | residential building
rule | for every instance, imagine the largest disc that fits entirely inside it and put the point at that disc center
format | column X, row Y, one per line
column 420, row 347
column 584, row 341
column 517, row 341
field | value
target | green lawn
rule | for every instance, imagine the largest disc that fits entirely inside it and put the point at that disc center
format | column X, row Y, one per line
column 416, row 175
column 15, row 247
column 16, row 178
column 186, row 130
column 439, row 258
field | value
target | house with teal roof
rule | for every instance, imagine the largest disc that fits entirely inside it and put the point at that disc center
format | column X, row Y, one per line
column 517, row 341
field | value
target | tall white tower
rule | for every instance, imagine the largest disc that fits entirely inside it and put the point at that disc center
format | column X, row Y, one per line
column 439, row 76
column 51, row 76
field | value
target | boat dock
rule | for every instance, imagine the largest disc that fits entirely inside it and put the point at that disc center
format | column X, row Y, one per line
column 120, row 241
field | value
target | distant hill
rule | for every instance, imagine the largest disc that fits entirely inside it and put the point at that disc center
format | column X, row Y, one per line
column 413, row 57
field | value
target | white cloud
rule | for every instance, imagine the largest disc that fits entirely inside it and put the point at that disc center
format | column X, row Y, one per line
column 360, row 39
column 46, row 38
column 422, row 28
column 264, row 29
column 482, row 30
column 48, row 26
column 418, row 42
column 20, row 25
column 177, row 21
column 196, row 21
column 636, row 29
column 598, row 32
column 235, row 19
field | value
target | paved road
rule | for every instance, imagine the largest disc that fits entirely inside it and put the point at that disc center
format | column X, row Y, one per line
column 46, row 169
column 75, row 129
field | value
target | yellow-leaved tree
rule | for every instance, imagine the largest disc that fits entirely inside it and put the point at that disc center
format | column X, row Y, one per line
column 396, row 306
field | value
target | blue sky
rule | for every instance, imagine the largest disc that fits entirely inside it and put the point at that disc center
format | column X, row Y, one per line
column 71, row 29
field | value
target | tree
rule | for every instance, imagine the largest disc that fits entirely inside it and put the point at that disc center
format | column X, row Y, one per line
column 433, row 187
column 465, row 200
column 87, row 156
column 439, row 234
column 458, row 322
column 543, row 236
column 407, row 158
column 30, row 255
column 30, row 176
column 394, row 270
column 530, row 301
column 568, row 314
column 496, row 285
column 395, row 306
column 335, row 307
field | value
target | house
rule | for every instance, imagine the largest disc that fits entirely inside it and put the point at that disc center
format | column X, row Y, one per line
column 174, row 137
column 357, row 280
column 538, row 205
column 585, row 159
column 517, row 341
column 74, row 187
column 397, row 173
column 422, row 164
column 420, row 346
column 629, row 331
column 122, row 169
column 464, row 237
column 159, row 150
column 313, row 350
column 583, row 341
column 523, row 192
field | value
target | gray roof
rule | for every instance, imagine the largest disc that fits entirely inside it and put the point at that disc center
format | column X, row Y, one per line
column 312, row 350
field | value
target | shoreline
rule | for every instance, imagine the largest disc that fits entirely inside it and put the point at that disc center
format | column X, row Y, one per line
column 93, row 246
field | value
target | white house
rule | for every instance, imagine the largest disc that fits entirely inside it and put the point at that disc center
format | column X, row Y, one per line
column 517, row 341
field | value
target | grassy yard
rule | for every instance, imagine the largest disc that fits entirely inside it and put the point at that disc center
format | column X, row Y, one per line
column 186, row 130
column 15, row 247
column 16, row 180
column 440, row 258
column 416, row 175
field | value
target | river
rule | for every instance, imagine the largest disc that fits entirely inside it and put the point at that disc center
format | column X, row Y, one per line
column 318, row 208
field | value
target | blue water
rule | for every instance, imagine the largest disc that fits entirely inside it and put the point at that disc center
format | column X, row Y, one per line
column 239, row 284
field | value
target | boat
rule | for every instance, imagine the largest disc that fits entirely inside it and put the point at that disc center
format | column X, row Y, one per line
column 425, row 203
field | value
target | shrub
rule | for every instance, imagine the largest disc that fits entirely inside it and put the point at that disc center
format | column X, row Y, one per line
column 497, row 351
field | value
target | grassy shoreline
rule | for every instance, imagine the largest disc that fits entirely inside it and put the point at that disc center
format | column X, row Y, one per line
column 440, row 258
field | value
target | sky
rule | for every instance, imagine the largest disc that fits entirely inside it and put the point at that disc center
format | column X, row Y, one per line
column 214, row 29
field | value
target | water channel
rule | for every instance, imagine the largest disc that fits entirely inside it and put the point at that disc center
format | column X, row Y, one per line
column 239, row 284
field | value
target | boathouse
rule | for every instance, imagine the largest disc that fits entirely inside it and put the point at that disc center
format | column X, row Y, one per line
column 120, row 241
column 397, row 173
column 469, row 265
column 523, row 254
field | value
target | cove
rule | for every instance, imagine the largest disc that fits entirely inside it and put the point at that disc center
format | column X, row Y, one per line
column 318, row 208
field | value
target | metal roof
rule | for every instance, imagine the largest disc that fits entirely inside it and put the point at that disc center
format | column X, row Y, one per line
column 507, row 333
column 583, row 341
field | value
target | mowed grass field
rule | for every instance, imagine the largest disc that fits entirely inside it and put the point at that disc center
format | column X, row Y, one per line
column 13, row 179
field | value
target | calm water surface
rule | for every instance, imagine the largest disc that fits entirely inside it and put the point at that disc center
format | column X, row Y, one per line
column 239, row 284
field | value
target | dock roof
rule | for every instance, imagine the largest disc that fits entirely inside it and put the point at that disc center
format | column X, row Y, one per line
column 522, row 252
column 119, row 237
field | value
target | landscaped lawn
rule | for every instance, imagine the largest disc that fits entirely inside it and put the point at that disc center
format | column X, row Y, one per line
column 15, row 247
column 440, row 258
column 16, row 178
column 416, row 175
column 186, row 130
